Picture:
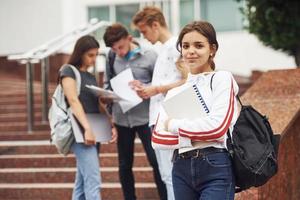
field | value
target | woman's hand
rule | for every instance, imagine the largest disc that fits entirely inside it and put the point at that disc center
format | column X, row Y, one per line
column 182, row 68
column 114, row 135
column 136, row 85
column 105, row 100
column 89, row 137
column 167, row 124
column 148, row 92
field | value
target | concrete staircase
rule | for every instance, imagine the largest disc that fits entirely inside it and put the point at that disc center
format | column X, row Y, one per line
column 31, row 169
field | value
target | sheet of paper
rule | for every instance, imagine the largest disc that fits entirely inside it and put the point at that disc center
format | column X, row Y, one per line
column 103, row 93
column 120, row 85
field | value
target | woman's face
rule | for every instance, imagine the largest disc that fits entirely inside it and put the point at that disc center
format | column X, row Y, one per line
column 89, row 58
column 196, row 51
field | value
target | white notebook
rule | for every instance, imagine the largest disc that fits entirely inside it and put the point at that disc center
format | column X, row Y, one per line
column 100, row 126
column 184, row 103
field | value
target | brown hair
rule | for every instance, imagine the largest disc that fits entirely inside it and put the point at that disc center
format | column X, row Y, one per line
column 114, row 33
column 205, row 29
column 149, row 14
column 82, row 45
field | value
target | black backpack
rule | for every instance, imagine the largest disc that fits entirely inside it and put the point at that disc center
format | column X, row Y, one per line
column 110, row 67
column 253, row 148
column 110, row 71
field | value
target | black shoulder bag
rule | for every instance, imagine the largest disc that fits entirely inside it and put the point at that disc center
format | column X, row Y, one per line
column 253, row 148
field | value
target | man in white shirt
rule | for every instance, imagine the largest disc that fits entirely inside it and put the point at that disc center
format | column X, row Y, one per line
column 151, row 23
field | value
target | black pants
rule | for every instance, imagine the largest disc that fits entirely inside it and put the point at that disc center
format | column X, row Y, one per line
column 126, row 138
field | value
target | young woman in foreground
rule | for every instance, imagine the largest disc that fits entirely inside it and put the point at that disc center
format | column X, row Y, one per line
column 202, row 167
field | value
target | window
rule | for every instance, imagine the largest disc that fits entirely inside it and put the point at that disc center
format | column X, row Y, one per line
column 223, row 14
column 101, row 13
column 186, row 12
column 124, row 14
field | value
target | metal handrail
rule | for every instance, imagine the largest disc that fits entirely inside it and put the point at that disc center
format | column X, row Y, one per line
column 41, row 54
column 88, row 30
column 46, row 45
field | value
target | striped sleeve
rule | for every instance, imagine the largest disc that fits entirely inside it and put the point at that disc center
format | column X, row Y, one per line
column 162, row 139
column 214, row 126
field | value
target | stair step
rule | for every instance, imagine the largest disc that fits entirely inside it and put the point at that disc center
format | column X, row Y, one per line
column 67, row 175
column 18, row 117
column 22, row 126
column 24, row 135
column 56, row 160
column 20, row 100
column 63, row 191
column 45, row 147
column 22, row 108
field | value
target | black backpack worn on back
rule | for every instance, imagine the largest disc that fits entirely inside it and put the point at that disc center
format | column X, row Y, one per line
column 110, row 67
column 253, row 148
column 110, row 71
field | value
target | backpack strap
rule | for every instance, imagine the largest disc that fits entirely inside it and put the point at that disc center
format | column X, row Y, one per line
column 211, row 79
column 77, row 76
column 238, row 98
column 110, row 71
column 111, row 61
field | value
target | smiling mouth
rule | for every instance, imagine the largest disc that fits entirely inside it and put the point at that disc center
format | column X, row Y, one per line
column 192, row 60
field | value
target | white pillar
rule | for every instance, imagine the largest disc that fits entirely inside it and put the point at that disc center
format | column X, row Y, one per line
column 197, row 11
column 175, row 16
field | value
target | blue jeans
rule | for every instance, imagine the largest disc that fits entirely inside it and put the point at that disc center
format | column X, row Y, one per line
column 207, row 177
column 87, row 181
column 164, row 159
column 126, row 138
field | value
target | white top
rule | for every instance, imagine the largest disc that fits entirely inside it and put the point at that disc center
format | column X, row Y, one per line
column 206, row 131
column 165, row 72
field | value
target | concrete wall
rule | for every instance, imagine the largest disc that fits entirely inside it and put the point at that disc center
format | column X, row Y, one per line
column 28, row 23
column 241, row 52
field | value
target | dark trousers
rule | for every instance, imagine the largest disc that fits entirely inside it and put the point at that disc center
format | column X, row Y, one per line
column 125, row 140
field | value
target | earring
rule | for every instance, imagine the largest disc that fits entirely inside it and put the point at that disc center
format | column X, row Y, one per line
column 211, row 55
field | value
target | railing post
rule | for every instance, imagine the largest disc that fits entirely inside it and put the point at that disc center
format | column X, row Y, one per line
column 29, row 84
column 44, row 78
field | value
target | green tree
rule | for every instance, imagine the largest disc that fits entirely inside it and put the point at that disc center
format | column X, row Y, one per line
column 276, row 23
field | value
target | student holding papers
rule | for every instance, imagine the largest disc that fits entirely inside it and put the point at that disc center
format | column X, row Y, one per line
column 87, row 182
column 151, row 22
column 133, row 63
column 201, row 164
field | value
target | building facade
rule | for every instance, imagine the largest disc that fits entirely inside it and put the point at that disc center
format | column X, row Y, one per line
column 29, row 23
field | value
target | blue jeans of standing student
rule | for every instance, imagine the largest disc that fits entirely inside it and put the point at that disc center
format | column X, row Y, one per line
column 209, row 177
column 88, row 180
column 164, row 160
column 126, row 136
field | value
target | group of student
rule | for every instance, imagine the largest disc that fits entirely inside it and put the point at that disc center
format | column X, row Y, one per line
column 188, row 156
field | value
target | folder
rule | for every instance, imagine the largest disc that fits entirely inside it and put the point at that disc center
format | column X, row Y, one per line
column 184, row 102
column 100, row 126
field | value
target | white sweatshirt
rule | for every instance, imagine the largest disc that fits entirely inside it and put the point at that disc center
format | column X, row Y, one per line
column 165, row 72
column 207, row 131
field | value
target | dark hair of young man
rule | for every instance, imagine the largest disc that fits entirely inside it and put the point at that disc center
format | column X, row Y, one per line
column 114, row 33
